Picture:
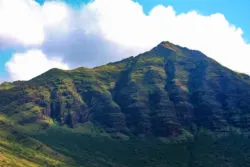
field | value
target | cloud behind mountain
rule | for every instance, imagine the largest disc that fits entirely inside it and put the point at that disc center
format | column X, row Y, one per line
column 109, row 30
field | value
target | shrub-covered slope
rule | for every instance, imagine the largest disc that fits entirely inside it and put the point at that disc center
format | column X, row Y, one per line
column 167, row 91
column 19, row 150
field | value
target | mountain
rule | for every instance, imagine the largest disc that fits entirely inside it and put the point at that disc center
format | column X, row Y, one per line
column 169, row 100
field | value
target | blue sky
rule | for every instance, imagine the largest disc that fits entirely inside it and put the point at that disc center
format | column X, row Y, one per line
column 237, row 12
column 4, row 57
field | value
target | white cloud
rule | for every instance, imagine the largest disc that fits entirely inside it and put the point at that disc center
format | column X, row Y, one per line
column 109, row 30
column 213, row 34
column 25, row 66
column 21, row 23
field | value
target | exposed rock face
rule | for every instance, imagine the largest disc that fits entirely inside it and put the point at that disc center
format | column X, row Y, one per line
column 160, row 92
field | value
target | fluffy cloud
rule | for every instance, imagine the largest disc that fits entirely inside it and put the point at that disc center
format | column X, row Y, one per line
column 104, row 31
column 21, row 23
column 212, row 34
column 80, row 40
column 24, row 66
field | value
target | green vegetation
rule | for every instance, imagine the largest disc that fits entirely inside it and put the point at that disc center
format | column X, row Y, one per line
column 19, row 150
column 170, row 106
column 63, row 146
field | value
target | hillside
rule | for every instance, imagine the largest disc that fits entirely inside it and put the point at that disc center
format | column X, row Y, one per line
column 169, row 100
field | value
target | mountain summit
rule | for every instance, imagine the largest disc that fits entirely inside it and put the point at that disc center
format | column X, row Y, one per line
column 164, row 92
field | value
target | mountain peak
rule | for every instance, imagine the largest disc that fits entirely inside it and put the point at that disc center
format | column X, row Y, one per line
column 169, row 45
column 156, row 93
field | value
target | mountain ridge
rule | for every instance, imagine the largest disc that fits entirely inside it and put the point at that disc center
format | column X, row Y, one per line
column 169, row 83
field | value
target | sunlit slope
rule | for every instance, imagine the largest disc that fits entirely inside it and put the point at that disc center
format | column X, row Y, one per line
column 19, row 150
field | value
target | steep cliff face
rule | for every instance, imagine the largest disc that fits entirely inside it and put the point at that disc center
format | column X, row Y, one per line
column 162, row 92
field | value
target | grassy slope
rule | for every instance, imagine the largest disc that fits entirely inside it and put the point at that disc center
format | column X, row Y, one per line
column 103, row 151
column 203, row 151
column 90, row 146
column 18, row 150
